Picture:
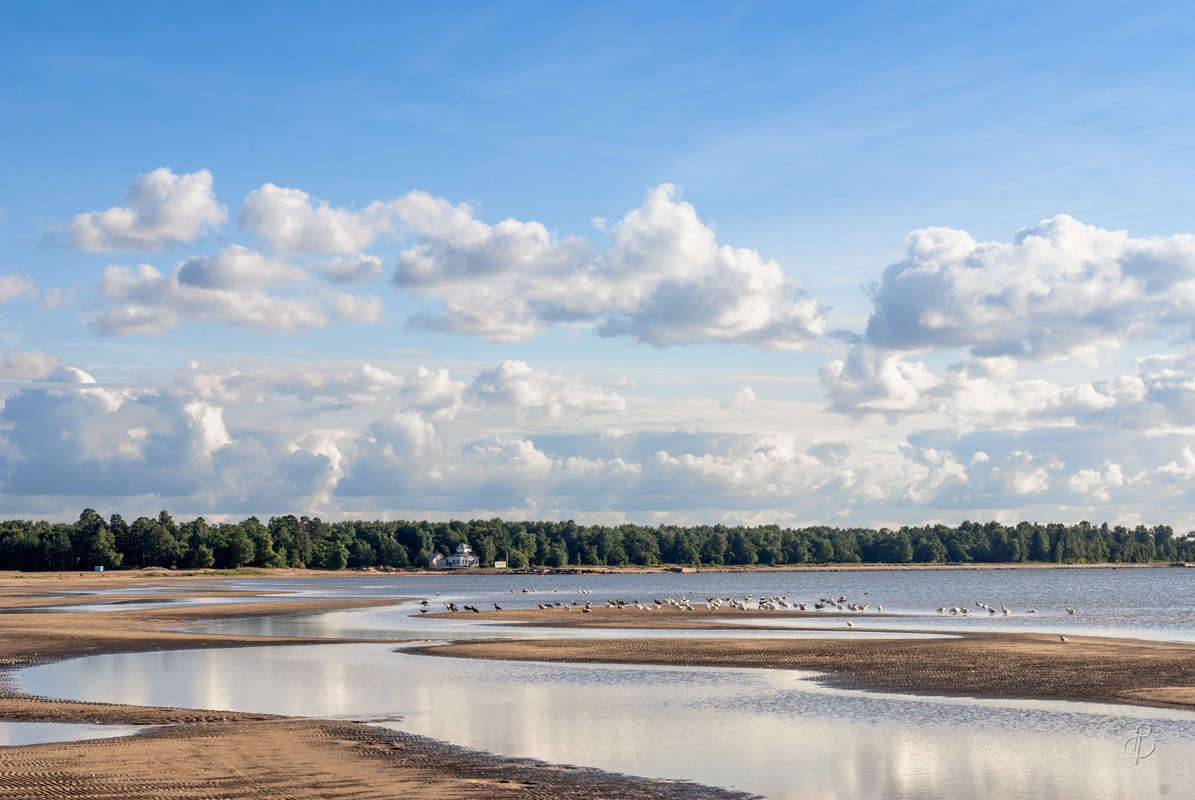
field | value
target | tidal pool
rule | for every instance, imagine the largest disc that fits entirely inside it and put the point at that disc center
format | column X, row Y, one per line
column 774, row 732
column 16, row 734
column 140, row 605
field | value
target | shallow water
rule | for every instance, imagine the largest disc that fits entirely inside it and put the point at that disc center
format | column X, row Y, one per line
column 403, row 620
column 768, row 731
column 140, row 605
column 1152, row 603
column 16, row 734
column 1143, row 602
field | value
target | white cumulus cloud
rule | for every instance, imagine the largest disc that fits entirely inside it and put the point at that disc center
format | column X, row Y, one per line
column 291, row 221
column 1098, row 484
column 237, row 267
column 1060, row 288
column 150, row 302
column 162, row 209
column 525, row 389
column 665, row 280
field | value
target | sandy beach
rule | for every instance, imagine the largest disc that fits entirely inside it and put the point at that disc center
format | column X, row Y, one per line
column 221, row 754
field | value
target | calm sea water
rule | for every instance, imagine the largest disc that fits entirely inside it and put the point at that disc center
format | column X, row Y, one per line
column 1145, row 603
column 773, row 732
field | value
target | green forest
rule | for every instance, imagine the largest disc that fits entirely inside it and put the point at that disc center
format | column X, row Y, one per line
column 303, row 542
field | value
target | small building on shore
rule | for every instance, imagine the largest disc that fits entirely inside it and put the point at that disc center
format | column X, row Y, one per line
column 499, row 565
column 436, row 561
column 463, row 557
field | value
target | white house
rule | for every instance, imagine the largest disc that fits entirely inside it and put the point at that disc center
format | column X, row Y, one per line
column 499, row 565
column 463, row 557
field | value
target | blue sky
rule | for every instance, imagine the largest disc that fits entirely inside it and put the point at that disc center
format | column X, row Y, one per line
column 811, row 139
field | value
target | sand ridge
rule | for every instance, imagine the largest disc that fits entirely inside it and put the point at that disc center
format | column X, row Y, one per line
column 1005, row 665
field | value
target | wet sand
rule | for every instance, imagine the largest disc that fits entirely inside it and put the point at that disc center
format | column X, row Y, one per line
column 1006, row 665
column 302, row 760
column 221, row 754
column 700, row 618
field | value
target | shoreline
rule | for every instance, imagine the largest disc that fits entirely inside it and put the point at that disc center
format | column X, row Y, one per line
column 265, row 755
column 149, row 574
column 219, row 754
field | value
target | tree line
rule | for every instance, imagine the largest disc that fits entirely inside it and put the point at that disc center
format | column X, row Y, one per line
column 303, row 542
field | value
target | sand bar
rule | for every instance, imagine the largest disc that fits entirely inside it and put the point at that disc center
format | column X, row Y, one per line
column 1004, row 665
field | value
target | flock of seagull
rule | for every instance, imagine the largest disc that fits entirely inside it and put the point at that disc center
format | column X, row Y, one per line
column 747, row 603
column 1004, row 610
